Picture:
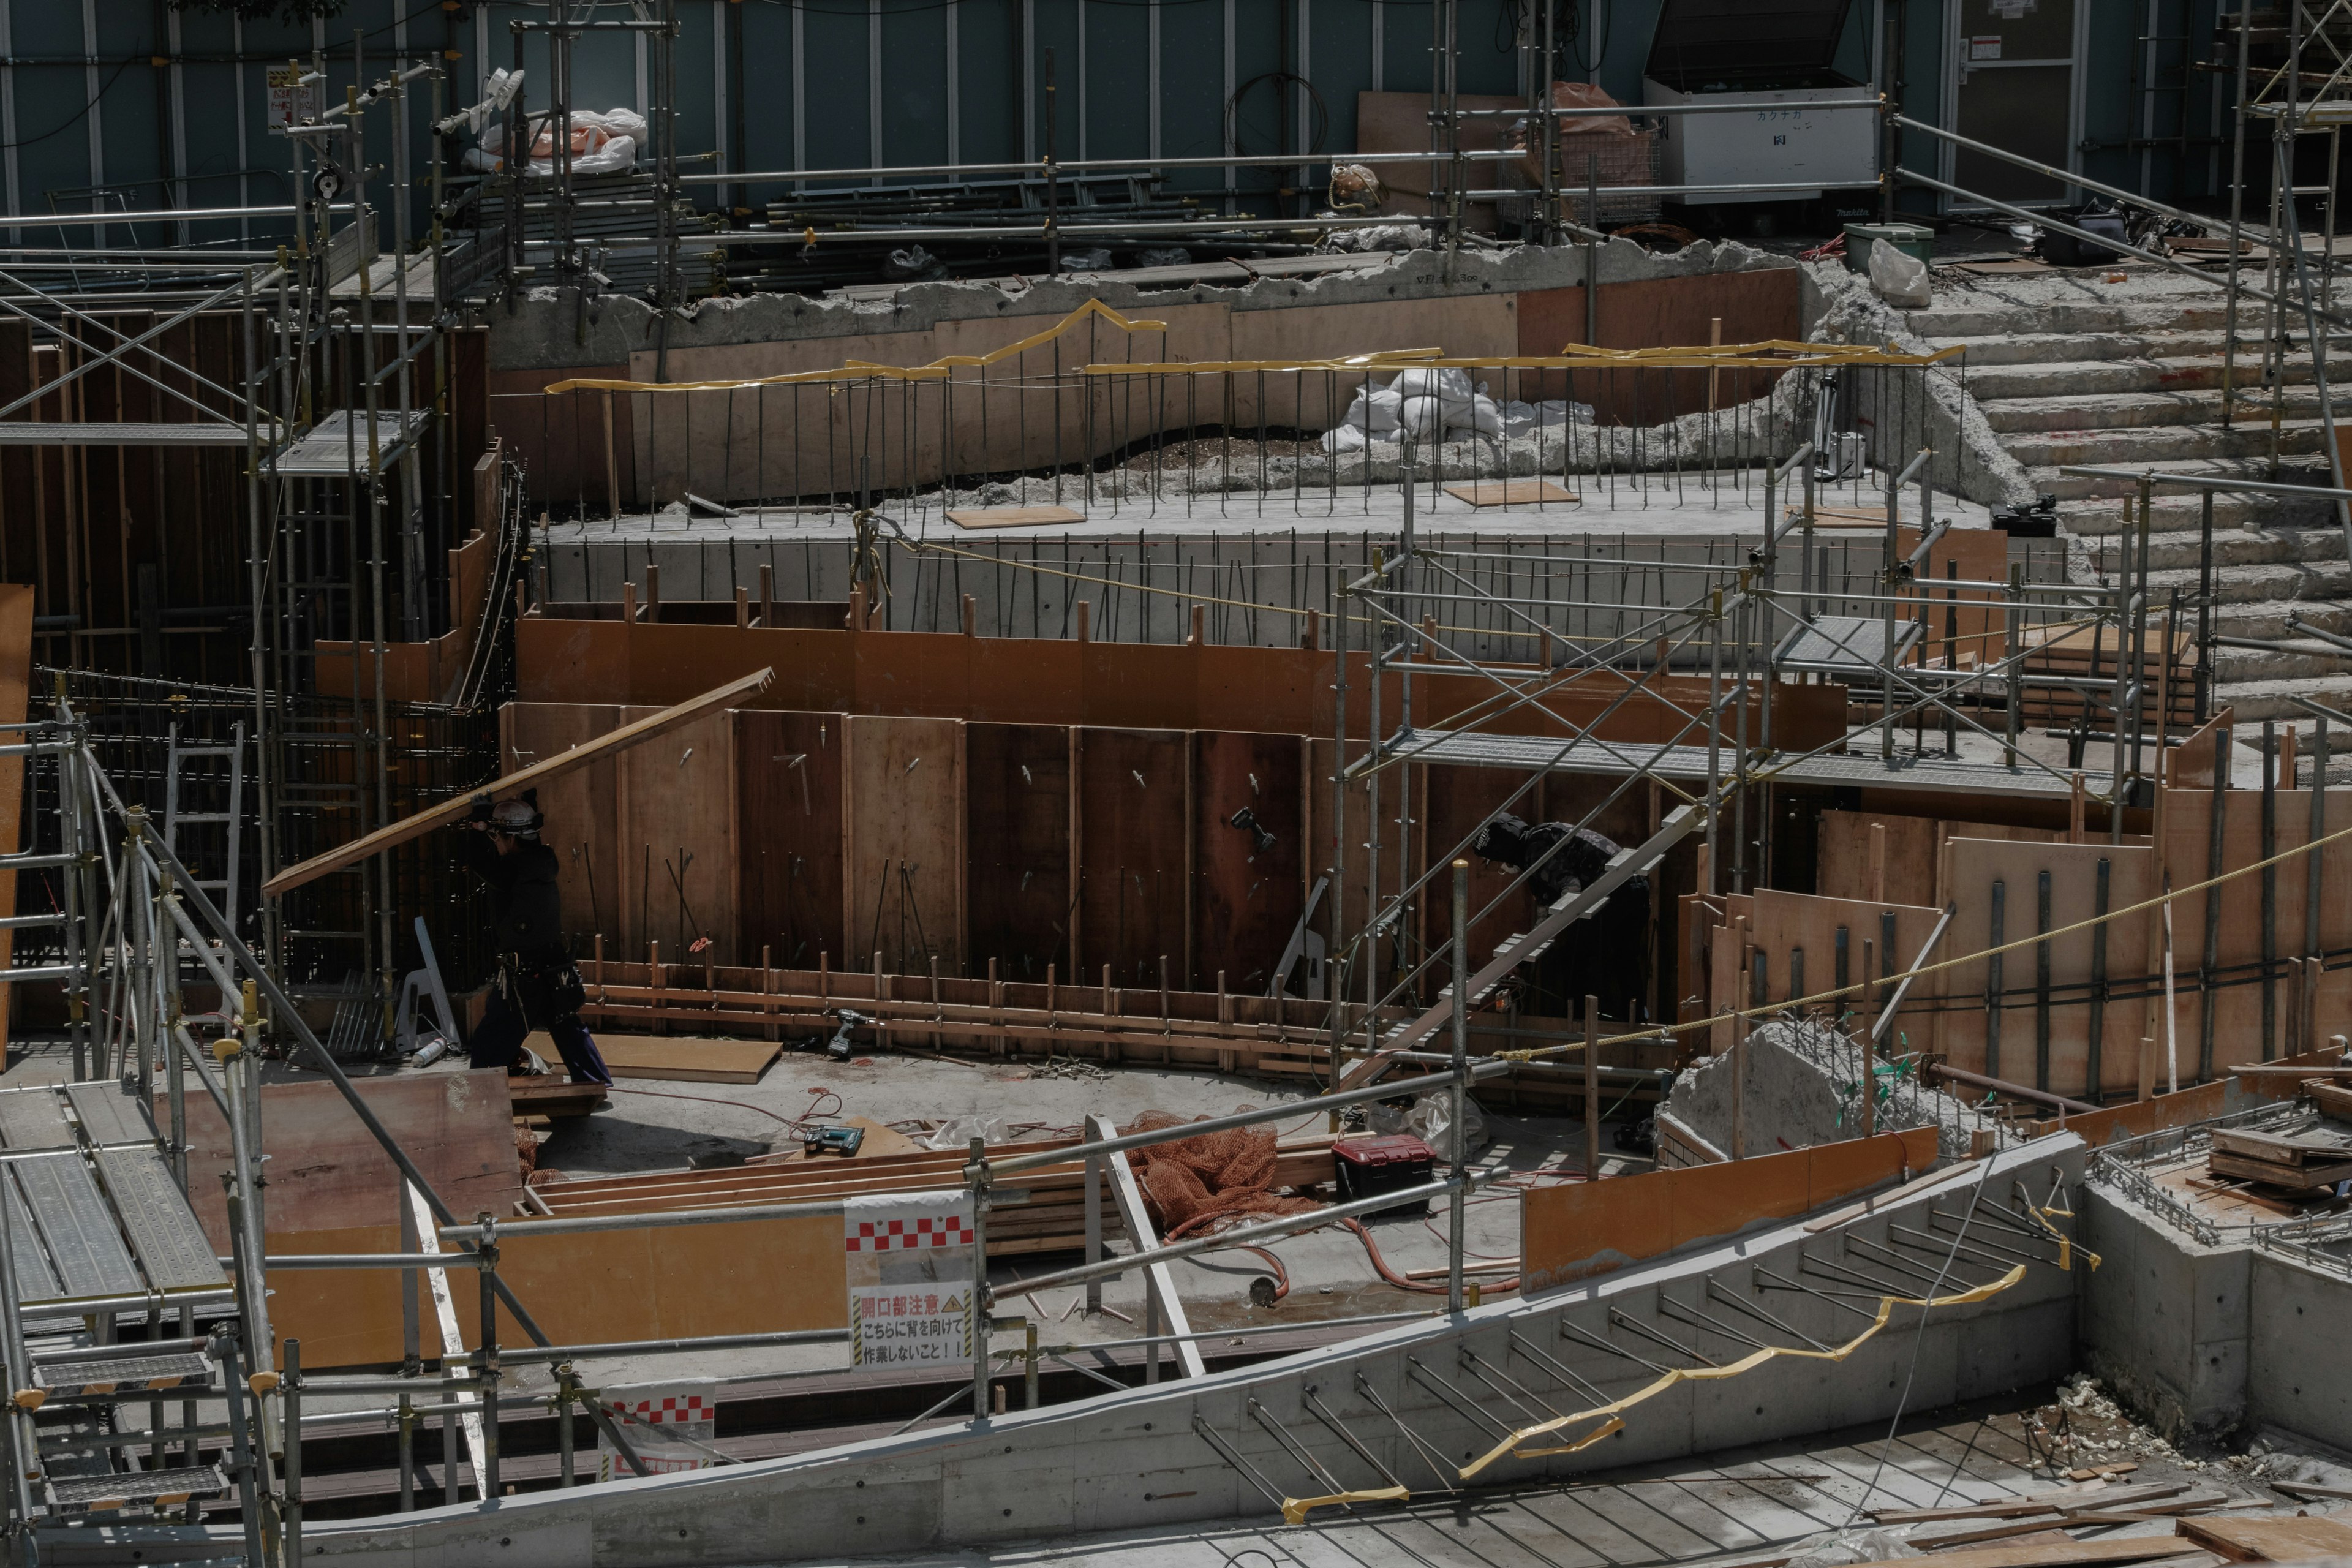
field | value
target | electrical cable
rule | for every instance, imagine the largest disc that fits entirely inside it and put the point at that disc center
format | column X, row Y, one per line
column 813, row 1110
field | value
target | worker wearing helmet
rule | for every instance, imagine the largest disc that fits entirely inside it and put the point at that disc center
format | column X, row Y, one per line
column 537, row 984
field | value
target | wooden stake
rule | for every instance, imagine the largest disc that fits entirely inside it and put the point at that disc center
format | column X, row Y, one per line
column 767, row 594
column 970, row 616
column 1086, row 621
column 611, row 461
column 742, row 607
column 628, row 601
column 1878, row 862
column 2075, row 811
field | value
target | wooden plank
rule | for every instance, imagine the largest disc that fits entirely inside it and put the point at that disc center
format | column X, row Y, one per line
column 788, row 808
column 903, row 862
column 1014, row 516
column 2333, row 1099
column 2293, row 1178
column 423, row 822
column 2275, row 1540
column 679, row 1060
column 553, row 1096
column 2276, row 1150
column 880, row 1142
column 1510, row 492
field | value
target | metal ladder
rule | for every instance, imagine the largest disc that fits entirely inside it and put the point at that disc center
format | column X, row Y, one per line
column 223, row 888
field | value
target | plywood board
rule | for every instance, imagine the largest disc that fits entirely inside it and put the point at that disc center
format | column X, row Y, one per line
column 1132, row 825
column 1510, row 492
column 1971, row 867
column 676, row 842
column 327, row 1174
column 1245, row 901
column 903, row 843
column 1576, row 1230
column 681, row 1060
column 1844, row 866
column 789, row 899
column 1018, row 815
column 674, row 1281
column 1787, row 924
column 1014, row 516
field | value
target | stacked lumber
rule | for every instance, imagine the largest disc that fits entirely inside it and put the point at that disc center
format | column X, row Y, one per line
column 2087, row 651
column 1050, row 1219
column 2333, row 1099
column 2298, row 1163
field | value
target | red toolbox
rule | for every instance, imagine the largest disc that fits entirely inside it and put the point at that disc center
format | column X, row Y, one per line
column 1391, row 1162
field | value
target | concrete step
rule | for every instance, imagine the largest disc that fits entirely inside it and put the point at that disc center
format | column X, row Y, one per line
column 2047, row 480
column 2268, row 617
column 2038, row 347
column 1967, row 316
column 2270, row 694
column 2268, row 581
column 2245, row 548
column 2160, row 443
column 2146, row 410
column 2182, row 511
column 2124, row 374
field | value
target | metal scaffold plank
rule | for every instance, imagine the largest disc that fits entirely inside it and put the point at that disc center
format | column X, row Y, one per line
column 74, row 1221
column 111, row 1113
column 169, row 1244
column 33, row 1118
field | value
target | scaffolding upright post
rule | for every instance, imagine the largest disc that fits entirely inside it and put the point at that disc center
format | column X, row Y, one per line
column 1459, row 1095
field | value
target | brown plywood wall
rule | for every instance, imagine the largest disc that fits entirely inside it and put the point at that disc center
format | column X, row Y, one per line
column 789, row 818
column 1133, row 795
column 1018, row 829
column 1246, row 900
column 902, row 841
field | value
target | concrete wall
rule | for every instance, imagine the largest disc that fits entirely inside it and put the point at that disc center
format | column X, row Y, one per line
column 1138, row 1459
column 2205, row 1342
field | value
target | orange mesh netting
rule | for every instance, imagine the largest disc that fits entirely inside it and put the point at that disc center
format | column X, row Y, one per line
column 1196, row 1182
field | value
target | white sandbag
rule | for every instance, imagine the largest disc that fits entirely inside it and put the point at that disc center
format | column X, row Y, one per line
column 1899, row 278
column 1480, row 417
column 1377, row 410
column 1448, row 384
column 1345, row 438
column 1421, row 418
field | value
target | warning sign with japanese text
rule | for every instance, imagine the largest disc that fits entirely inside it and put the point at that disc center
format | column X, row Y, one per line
column 909, row 1266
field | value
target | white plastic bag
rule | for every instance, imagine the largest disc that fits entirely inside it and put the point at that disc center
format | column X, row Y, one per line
column 1345, row 438
column 1899, row 278
column 1480, row 417
column 1431, row 1120
column 603, row 143
column 1421, row 418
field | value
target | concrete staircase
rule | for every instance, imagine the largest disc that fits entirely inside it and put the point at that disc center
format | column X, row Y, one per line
column 2070, row 369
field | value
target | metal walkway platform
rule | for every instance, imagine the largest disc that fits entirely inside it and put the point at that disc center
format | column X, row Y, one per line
column 1622, row 759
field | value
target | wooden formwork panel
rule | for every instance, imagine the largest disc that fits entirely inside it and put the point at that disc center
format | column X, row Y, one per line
column 788, row 772
column 2063, row 1066
column 1245, row 901
column 1018, row 826
column 674, row 815
column 1131, row 824
column 903, row 859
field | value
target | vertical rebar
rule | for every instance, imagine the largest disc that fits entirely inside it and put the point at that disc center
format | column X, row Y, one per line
column 976, row 1175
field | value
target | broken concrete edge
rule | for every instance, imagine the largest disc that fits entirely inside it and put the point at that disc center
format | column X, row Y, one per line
column 2170, row 1325
column 1839, row 306
column 544, row 332
column 1136, row 1459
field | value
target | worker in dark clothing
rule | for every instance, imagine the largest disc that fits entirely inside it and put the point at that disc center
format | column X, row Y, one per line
column 537, row 984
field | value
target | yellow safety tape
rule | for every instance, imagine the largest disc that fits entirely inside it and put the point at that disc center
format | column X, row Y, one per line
column 2066, row 1243
column 862, row 370
column 1612, row 1414
column 1296, row 1510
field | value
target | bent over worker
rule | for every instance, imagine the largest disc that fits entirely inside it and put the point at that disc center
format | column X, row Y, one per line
column 537, row 984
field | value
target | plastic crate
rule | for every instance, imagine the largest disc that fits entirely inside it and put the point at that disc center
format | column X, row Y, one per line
column 1392, row 1161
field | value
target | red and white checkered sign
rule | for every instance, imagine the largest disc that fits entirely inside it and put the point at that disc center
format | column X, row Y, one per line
column 906, row 1234
column 906, row 1222
column 676, row 1410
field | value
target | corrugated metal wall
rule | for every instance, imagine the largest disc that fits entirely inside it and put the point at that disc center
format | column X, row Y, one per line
column 132, row 98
